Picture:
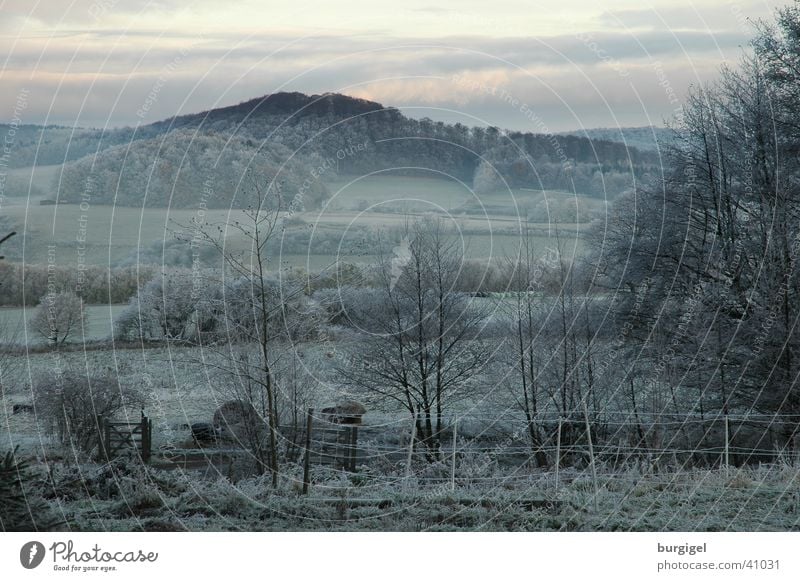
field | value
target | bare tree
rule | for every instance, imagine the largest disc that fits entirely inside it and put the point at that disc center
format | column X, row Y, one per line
column 260, row 223
column 59, row 316
column 421, row 344
column 526, row 284
column 4, row 239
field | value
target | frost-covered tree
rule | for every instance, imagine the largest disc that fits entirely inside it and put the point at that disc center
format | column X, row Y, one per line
column 253, row 319
column 176, row 305
column 487, row 179
column 420, row 342
column 706, row 258
column 59, row 316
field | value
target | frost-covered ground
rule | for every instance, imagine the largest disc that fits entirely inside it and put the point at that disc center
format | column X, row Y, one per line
column 178, row 390
column 97, row 498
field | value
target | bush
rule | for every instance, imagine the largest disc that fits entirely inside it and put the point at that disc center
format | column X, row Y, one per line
column 72, row 402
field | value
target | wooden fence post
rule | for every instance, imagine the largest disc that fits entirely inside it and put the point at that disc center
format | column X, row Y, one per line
column 145, row 427
column 307, row 458
column 353, row 449
column 411, row 447
column 453, row 467
column 727, row 457
column 101, row 444
column 149, row 439
column 107, row 438
column 591, row 452
column 558, row 450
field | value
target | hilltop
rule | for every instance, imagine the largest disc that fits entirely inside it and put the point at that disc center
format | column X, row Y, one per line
column 301, row 142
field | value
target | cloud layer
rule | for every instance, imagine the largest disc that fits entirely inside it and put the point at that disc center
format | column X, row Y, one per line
column 96, row 63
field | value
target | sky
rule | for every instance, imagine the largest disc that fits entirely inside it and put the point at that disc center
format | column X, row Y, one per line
column 532, row 65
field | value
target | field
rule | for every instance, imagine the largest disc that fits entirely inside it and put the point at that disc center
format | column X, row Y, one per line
column 38, row 179
column 489, row 225
column 155, row 500
column 177, row 390
column 12, row 329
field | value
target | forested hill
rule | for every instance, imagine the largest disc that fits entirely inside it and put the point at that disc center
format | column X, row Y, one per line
column 54, row 144
column 288, row 107
column 302, row 141
column 649, row 138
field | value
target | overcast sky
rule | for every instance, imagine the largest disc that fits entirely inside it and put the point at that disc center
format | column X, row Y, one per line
column 521, row 64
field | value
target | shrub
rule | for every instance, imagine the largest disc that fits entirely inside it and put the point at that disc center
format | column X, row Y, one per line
column 72, row 402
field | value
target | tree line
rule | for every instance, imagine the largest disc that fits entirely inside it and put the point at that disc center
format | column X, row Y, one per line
column 704, row 262
column 26, row 284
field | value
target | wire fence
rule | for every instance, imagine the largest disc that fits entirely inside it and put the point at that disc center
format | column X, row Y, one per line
column 552, row 451
column 547, row 453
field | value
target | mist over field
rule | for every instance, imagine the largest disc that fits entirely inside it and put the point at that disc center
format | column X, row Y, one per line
column 435, row 277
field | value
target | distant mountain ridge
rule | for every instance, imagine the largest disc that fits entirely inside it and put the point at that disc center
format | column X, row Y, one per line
column 299, row 141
